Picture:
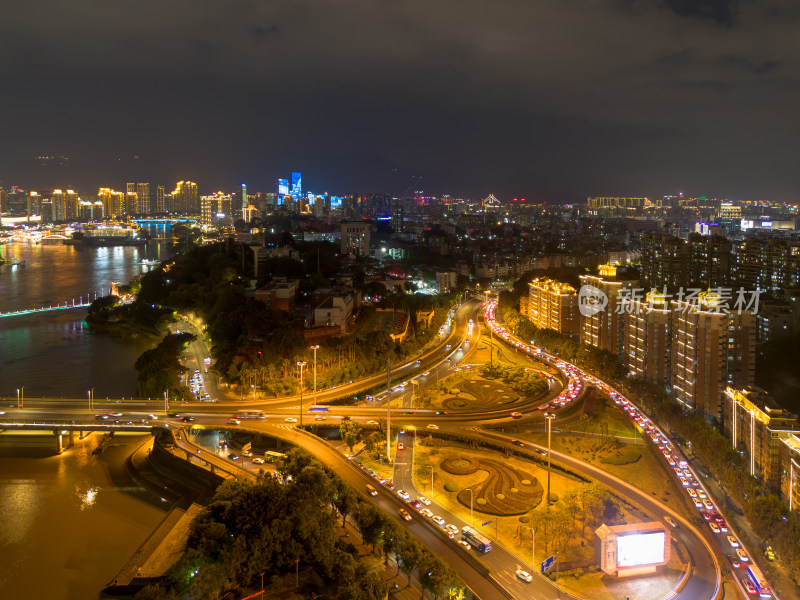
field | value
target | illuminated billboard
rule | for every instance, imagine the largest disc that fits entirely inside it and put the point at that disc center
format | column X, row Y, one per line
column 283, row 187
column 639, row 549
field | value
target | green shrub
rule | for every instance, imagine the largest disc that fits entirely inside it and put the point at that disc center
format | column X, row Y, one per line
column 626, row 457
column 524, row 519
column 451, row 487
column 480, row 501
column 553, row 498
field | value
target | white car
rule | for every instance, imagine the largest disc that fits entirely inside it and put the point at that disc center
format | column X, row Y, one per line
column 403, row 494
column 424, row 500
column 320, row 418
column 438, row 520
column 733, row 541
column 290, row 420
column 452, row 529
column 426, row 512
column 523, row 575
column 247, row 454
column 258, row 460
column 464, row 544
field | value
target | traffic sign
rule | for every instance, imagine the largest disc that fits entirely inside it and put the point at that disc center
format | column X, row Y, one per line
column 370, row 398
column 547, row 563
column 487, row 523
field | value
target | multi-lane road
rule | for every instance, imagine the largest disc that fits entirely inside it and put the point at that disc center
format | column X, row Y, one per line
column 452, row 353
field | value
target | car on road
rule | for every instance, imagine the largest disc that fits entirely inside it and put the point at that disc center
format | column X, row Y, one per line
column 516, row 415
column 733, row 541
column 233, row 456
column 152, row 417
column 403, row 494
column 692, row 493
column 174, row 415
column 742, row 555
column 389, row 485
column 258, row 460
column 400, row 445
column 234, row 421
column 432, row 426
column 426, row 373
column 415, row 503
column 684, row 482
column 115, row 414
column 523, row 575
column 247, row 454
column 464, row 544
column 517, row 443
column 320, row 418
column 372, row 422
column 701, row 493
column 404, row 514
column 749, row 587
column 426, row 512
column 424, row 500
column 723, row 526
column 187, row 419
column 100, row 417
column 438, row 520
column 290, row 420
column 734, row 561
column 714, row 527
column 670, row 521
column 452, row 529
column 708, row 505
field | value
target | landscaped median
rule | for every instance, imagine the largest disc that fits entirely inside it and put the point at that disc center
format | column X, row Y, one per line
column 508, row 494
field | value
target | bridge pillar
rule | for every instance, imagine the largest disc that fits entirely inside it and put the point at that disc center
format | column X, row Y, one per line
column 188, row 455
column 71, row 437
column 59, row 445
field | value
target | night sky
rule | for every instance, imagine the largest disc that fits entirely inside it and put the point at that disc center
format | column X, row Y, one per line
column 548, row 99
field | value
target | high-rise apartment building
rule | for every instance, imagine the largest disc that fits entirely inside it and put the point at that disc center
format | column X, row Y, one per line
column 767, row 263
column 113, row 203
column 131, row 204
column 398, row 218
column 709, row 261
column 245, row 202
column 160, row 207
column 755, row 424
column 663, row 261
column 711, row 349
column 185, row 199
column 647, row 340
column 554, row 305
column 615, row 203
column 3, row 201
column 143, row 198
column 216, row 209
column 604, row 329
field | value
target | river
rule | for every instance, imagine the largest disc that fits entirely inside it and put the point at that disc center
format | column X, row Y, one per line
column 69, row 522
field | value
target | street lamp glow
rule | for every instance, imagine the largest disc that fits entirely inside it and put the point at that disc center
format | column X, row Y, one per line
column 549, row 417
column 301, row 364
column 315, row 348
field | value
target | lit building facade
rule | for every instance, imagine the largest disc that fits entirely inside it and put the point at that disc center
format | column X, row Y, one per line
column 185, row 199
column 755, row 424
column 554, row 305
column 356, row 238
column 216, row 209
column 647, row 340
column 605, row 329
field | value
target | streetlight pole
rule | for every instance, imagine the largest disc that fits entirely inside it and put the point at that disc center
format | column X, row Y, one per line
column 254, row 393
column 431, row 468
column 549, row 417
column 533, row 548
column 471, row 520
column 301, row 364
column 166, row 403
column 315, row 348
column 20, row 396
column 91, row 399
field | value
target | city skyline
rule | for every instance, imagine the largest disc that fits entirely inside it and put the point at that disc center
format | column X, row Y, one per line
column 549, row 102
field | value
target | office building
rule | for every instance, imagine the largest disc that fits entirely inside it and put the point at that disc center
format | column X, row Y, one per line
column 297, row 185
column 398, row 218
column 615, row 204
column 245, row 202
column 767, row 263
column 3, row 201
column 711, row 349
column 604, row 329
column 755, row 424
column 356, row 238
column 554, row 305
column 283, row 188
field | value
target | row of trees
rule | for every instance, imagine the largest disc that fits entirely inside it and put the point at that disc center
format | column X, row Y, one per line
column 274, row 529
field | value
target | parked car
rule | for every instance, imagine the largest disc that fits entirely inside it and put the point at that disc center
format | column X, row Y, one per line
column 424, row 500
column 403, row 494
column 438, row 520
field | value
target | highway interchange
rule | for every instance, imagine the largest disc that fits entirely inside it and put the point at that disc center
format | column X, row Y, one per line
column 450, row 354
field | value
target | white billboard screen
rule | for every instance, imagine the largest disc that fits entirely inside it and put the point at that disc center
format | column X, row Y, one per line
column 638, row 549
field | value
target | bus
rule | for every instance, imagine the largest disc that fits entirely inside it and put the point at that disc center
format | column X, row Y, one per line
column 475, row 539
column 758, row 581
column 318, row 409
column 250, row 414
column 272, row 457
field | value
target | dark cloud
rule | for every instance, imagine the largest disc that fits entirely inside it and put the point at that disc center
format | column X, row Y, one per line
column 560, row 99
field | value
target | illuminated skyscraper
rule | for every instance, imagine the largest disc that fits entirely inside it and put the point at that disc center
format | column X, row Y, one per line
column 297, row 184
column 3, row 201
column 112, row 201
column 245, row 203
column 185, row 198
column 216, row 209
column 283, row 189
column 143, row 198
column 160, row 206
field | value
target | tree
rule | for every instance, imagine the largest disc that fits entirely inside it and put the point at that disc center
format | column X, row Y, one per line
column 351, row 433
column 345, row 500
column 366, row 587
column 435, row 575
column 408, row 553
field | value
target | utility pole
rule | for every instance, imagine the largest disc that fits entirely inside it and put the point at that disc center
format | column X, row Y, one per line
column 549, row 417
column 388, row 408
column 315, row 348
column 301, row 364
